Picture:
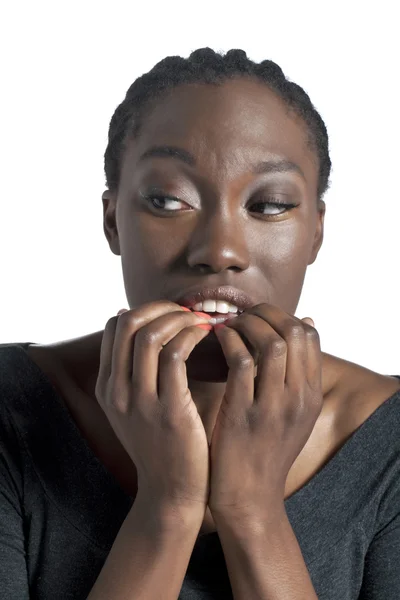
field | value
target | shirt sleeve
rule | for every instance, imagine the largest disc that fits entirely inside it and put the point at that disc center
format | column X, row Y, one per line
column 13, row 567
column 381, row 580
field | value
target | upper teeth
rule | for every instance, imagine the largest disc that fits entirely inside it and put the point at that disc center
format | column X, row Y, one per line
column 216, row 306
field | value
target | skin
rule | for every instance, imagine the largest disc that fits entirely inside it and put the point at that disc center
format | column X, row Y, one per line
column 225, row 239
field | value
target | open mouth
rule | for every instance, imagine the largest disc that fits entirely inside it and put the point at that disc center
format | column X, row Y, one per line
column 217, row 317
column 219, row 314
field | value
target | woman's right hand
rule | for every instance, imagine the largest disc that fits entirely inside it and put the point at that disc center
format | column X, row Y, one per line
column 143, row 390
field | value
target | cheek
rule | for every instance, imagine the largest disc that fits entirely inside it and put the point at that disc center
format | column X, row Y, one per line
column 147, row 244
column 284, row 260
column 285, row 248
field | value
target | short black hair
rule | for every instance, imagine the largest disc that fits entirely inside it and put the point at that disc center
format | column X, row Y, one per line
column 207, row 66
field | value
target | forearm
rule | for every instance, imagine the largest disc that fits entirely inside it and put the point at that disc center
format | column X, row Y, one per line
column 264, row 560
column 149, row 558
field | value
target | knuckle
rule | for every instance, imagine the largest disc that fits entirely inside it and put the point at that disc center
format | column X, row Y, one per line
column 277, row 348
column 118, row 397
column 171, row 354
column 242, row 360
column 147, row 337
column 120, row 405
column 120, row 402
column 295, row 331
column 124, row 317
column 312, row 334
column 128, row 319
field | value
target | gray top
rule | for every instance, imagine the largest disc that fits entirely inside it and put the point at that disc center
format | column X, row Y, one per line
column 61, row 510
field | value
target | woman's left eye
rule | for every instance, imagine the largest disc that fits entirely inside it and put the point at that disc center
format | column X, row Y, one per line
column 276, row 203
column 272, row 202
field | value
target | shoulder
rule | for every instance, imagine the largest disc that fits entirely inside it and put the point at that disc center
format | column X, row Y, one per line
column 70, row 364
column 360, row 393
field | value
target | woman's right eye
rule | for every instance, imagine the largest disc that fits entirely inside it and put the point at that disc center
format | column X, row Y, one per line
column 160, row 199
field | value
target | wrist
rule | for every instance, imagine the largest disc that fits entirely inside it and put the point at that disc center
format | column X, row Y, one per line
column 251, row 517
column 167, row 514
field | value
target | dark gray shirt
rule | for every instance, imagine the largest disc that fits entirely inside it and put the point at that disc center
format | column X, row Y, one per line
column 61, row 510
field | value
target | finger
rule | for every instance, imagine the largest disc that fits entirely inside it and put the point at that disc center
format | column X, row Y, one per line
column 149, row 342
column 308, row 321
column 127, row 325
column 292, row 332
column 314, row 354
column 239, row 391
column 172, row 372
column 271, row 366
column 106, row 352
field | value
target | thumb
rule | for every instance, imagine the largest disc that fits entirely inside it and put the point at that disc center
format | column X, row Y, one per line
column 122, row 310
column 308, row 321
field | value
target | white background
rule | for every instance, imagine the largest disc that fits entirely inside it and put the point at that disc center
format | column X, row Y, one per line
column 66, row 67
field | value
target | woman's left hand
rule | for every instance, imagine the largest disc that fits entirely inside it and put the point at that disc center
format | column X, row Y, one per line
column 264, row 421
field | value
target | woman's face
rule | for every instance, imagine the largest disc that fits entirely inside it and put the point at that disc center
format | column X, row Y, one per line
column 220, row 231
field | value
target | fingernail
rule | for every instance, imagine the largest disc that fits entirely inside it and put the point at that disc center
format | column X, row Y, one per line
column 203, row 315
column 122, row 311
column 219, row 325
column 204, row 326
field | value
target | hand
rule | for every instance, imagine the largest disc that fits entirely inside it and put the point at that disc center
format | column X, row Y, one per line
column 263, row 422
column 142, row 389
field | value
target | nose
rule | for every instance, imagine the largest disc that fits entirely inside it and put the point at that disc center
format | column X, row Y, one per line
column 219, row 243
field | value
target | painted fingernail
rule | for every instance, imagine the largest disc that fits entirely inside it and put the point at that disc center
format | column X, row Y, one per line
column 204, row 326
column 203, row 315
column 219, row 325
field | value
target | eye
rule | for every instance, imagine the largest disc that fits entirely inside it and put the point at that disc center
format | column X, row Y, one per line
column 273, row 202
column 156, row 200
column 164, row 203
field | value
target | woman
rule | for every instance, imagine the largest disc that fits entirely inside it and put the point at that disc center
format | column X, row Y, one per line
column 271, row 469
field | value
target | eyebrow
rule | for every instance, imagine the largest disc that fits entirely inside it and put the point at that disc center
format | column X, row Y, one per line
column 266, row 166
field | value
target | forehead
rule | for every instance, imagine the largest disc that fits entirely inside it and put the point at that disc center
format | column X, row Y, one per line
column 227, row 127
